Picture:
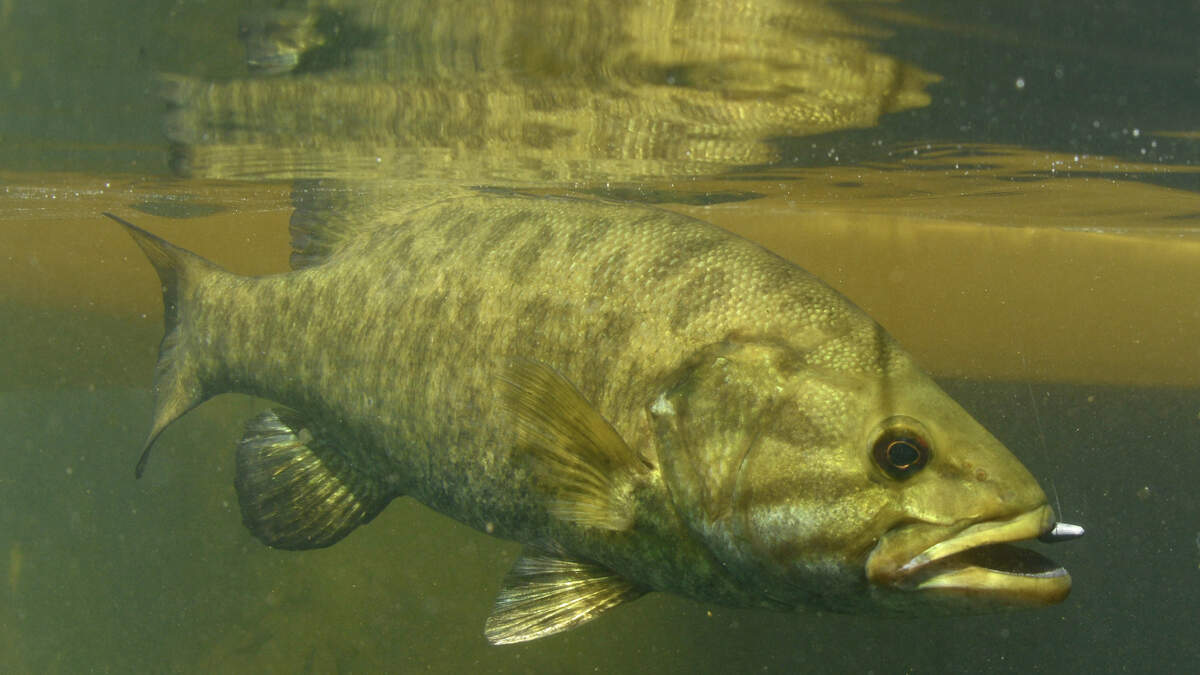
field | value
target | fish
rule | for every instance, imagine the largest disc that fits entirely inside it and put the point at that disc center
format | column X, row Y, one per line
column 645, row 401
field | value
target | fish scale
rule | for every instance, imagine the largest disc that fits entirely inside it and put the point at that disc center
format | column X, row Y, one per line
column 644, row 400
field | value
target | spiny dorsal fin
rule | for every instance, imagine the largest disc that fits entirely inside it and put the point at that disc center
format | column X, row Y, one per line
column 295, row 493
column 545, row 594
column 580, row 457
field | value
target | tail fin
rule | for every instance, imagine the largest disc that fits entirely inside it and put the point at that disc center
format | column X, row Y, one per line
column 177, row 384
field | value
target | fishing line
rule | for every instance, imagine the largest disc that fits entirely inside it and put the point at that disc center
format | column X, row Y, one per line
column 1037, row 420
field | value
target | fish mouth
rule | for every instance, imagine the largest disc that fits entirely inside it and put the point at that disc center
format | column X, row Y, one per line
column 979, row 563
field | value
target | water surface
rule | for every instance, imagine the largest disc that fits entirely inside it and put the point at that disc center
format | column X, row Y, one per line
column 1024, row 218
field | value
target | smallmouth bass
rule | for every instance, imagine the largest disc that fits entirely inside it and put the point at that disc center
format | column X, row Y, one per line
column 646, row 401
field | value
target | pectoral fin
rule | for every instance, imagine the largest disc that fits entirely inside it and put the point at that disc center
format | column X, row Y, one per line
column 545, row 594
column 295, row 492
column 579, row 456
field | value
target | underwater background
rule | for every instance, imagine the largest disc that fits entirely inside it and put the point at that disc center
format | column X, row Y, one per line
column 1010, row 188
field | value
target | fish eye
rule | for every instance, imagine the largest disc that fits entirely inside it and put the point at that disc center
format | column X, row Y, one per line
column 901, row 452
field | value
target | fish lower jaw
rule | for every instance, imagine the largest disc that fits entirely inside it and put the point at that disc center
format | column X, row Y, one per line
column 1007, row 576
column 979, row 564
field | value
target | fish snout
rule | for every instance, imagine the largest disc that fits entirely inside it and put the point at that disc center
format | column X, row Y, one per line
column 975, row 563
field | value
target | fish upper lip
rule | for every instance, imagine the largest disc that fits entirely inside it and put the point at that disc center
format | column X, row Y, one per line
column 1026, row 526
column 977, row 561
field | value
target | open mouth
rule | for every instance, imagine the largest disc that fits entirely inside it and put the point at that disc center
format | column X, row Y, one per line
column 991, row 558
column 979, row 562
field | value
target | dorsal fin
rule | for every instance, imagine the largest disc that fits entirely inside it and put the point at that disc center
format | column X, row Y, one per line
column 330, row 212
column 322, row 220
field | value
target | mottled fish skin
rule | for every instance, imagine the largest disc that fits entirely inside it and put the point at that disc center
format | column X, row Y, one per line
column 746, row 388
column 398, row 342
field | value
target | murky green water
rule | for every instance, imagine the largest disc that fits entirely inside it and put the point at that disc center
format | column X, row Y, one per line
column 1061, row 141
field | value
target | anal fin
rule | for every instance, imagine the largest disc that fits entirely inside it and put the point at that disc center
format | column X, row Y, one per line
column 296, row 493
column 545, row 594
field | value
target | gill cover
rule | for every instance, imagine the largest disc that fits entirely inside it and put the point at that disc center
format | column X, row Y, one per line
column 719, row 412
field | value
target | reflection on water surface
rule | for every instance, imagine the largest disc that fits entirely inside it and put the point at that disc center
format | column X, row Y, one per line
column 1028, row 221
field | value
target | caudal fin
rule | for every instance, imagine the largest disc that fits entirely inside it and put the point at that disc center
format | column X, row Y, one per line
column 177, row 384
